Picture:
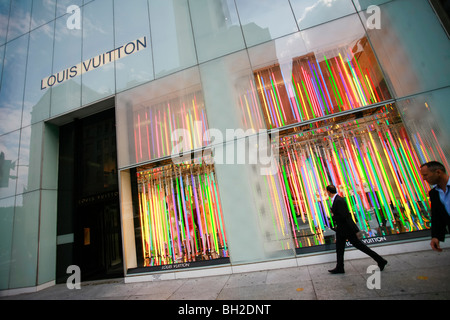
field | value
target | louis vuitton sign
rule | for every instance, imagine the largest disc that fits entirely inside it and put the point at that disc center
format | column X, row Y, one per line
column 95, row 63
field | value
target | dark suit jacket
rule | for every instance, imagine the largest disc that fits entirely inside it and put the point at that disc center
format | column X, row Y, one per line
column 342, row 217
column 439, row 216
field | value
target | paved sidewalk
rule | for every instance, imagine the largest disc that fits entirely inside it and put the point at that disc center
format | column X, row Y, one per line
column 421, row 275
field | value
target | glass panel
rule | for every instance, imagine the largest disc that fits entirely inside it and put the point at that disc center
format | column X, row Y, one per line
column 160, row 118
column 180, row 215
column 337, row 72
column 137, row 68
column 98, row 41
column 230, row 94
column 9, row 153
column 66, row 95
column 11, row 91
column 62, row 5
column 370, row 159
column 25, row 241
column 310, row 13
column 39, row 66
column 427, row 121
column 253, row 213
column 411, row 65
column 6, row 230
column 50, row 150
column 29, row 164
column 43, row 12
column 216, row 28
column 19, row 20
column 47, row 243
column 172, row 38
column 264, row 20
column 4, row 18
column 364, row 4
column 2, row 55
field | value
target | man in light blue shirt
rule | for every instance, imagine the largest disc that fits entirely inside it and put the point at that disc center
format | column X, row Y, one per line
column 435, row 174
column 444, row 195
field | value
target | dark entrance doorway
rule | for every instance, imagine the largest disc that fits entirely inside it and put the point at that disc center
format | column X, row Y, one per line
column 88, row 199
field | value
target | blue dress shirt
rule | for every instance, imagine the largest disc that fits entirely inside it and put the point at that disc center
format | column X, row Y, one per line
column 445, row 196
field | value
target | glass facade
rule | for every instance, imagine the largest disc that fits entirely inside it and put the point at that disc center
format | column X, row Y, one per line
column 231, row 119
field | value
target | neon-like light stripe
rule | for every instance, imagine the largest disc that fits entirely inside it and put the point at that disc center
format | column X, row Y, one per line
column 263, row 94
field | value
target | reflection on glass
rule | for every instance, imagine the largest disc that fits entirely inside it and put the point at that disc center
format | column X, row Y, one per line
column 264, row 20
column 19, row 19
column 43, row 12
column 155, row 125
column 137, row 68
column 427, row 120
column 230, row 94
column 161, row 118
column 364, row 4
column 39, row 66
column 320, row 82
column 9, row 153
column 6, row 229
column 66, row 53
column 216, row 28
column 98, row 39
column 411, row 65
column 28, row 172
column 24, row 252
column 2, row 55
column 310, row 13
column 62, row 5
column 372, row 162
column 172, row 38
column 4, row 16
column 180, row 215
column 11, row 91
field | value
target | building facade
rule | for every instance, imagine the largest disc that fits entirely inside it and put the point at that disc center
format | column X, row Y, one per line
column 160, row 136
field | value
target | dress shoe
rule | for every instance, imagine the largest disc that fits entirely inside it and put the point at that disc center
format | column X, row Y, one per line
column 336, row 270
column 382, row 264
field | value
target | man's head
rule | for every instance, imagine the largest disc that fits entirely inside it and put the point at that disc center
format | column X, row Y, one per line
column 433, row 172
column 331, row 190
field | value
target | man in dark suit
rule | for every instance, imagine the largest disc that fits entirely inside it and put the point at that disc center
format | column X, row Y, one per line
column 346, row 229
column 435, row 174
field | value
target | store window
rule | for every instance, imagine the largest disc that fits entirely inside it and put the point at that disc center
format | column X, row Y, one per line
column 174, row 217
column 373, row 163
column 317, row 77
column 162, row 119
column 180, row 216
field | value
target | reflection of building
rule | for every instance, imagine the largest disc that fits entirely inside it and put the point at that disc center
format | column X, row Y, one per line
column 115, row 168
column 5, row 167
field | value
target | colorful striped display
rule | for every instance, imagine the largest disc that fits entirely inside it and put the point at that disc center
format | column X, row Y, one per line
column 155, row 124
column 338, row 82
column 250, row 111
column 180, row 215
column 371, row 161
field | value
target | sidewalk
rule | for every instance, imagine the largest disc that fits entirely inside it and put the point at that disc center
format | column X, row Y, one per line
column 421, row 275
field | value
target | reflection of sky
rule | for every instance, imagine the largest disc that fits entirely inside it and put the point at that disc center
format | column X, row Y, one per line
column 311, row 6
column 11, row 94
column 273, row 15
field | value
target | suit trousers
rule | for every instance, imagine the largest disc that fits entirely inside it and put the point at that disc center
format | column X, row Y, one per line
column 341, row 239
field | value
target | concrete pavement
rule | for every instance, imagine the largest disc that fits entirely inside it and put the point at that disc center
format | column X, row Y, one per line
column 415, row 275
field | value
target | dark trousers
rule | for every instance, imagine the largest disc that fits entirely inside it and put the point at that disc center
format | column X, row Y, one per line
column 341, row 239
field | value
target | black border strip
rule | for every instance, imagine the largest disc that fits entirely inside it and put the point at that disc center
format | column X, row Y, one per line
column 369, row 241
column 180, row 266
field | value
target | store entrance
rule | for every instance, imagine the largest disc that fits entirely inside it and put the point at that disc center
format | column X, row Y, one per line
column 88, row 198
